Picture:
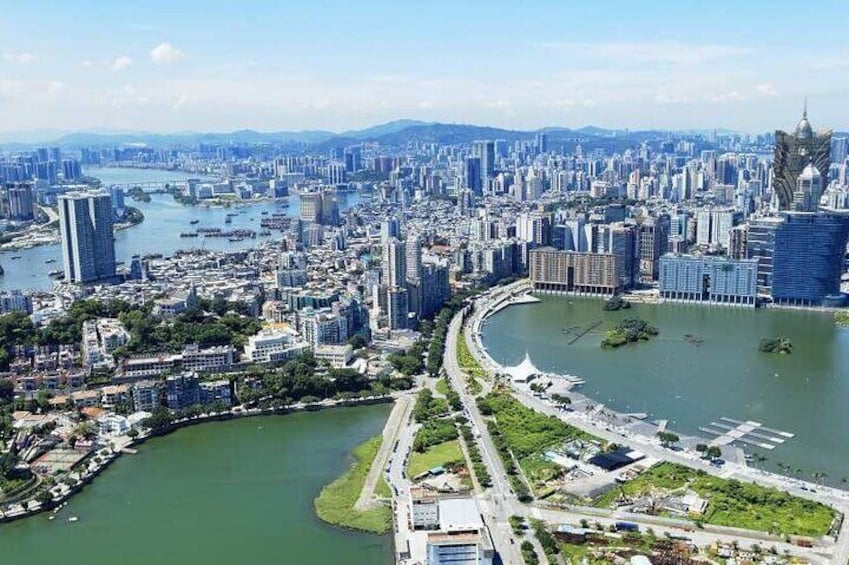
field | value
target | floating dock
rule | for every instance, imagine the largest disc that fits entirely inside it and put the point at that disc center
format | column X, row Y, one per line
column 729, row 430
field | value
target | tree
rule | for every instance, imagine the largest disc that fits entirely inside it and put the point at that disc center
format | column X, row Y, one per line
column 667, row 439
column 357, row 341
column 7, row 390
column 713, row 452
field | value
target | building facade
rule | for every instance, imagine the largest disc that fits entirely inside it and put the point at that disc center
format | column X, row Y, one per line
column 709, row 279
column 88, row 243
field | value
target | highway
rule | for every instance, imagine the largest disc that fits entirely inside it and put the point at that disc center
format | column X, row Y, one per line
column 499, row 502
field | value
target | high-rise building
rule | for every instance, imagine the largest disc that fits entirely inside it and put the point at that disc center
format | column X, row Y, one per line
column 473, row 180
column 88, row 244
column 413, row 252
column 394, row 263
column 311, row 207
column 20, row 202
column 654, row 242
column 485, row 151
column 389, row 228
column 794, row 152
column 397, row 306
column 809, row 189
column 800, row 256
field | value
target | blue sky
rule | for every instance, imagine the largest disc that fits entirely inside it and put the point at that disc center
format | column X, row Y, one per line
column 216, row 66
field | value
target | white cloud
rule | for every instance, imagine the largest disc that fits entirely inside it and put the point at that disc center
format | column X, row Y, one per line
column 120, row 63
column 21, row 58
column 10, row 88
column 499, row 104
column 425, row 105
column 767, row 89
column 663, row 98
column 650, row 52
column 566, row 104
column 55, row 87
column 165, row 54
column 732, row 96
column 87, row 63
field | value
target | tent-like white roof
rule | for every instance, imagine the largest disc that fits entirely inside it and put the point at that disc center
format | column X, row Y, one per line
column 524, row 371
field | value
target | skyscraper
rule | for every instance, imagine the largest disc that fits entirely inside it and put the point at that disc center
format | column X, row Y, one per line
column 794, row 152
column 20, row 201
column 414, row 258
column 473, row 179
column 485, row 151
column 88, row 245
column 394, row 263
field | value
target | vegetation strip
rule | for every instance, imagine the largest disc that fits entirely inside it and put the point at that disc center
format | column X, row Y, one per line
column 732, row 503
column 335, row 503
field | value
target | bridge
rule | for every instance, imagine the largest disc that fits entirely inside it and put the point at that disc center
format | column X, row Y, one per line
column 152, row 187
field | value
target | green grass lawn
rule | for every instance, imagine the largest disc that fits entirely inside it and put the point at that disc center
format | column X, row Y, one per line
column 733, row 503
column 382, row 489
column 466, row 360
column 442, row 387
column 434, row 456
column 335, row 503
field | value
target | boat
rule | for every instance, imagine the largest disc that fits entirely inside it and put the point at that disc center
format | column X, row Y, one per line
column 49, row 261
column 15, row 257
column 228, row 220
column 73, row 519
column 54, row 273
column 264, row 212
column 235, row 239
column 193, row 222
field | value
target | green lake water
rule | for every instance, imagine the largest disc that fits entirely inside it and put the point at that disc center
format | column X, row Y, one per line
column 805, row 393
column 230, row 492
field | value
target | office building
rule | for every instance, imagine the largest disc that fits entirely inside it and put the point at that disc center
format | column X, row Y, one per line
column 485, row 151
column 800, row 256
column 709, row 279
column 474, row 179
column 793, row 152
column 654, row 242
column 88, row 244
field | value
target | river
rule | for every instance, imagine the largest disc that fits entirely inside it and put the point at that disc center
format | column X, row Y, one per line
column 164, row 220
column 230, row 492
column 805, row 393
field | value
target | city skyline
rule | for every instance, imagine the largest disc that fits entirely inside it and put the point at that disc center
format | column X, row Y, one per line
column 347, row 67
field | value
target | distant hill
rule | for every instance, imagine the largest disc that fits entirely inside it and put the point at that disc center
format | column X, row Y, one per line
column 394, row 133
column 381, row 129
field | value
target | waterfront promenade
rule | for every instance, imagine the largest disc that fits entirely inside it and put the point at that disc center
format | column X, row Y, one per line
column 649, row 445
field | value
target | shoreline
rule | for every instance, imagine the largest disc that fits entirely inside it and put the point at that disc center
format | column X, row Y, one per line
column 51, row 237
column 115, row 450
column 604, row 418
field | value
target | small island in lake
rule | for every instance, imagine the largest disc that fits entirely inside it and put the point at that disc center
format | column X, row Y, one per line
column 778, row 344
column 616, row 303
column 629, row 330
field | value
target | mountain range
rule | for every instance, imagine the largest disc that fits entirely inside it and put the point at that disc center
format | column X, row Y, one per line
column 398, row 132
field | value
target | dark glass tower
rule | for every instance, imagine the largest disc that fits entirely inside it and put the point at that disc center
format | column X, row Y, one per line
column 793, row 152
